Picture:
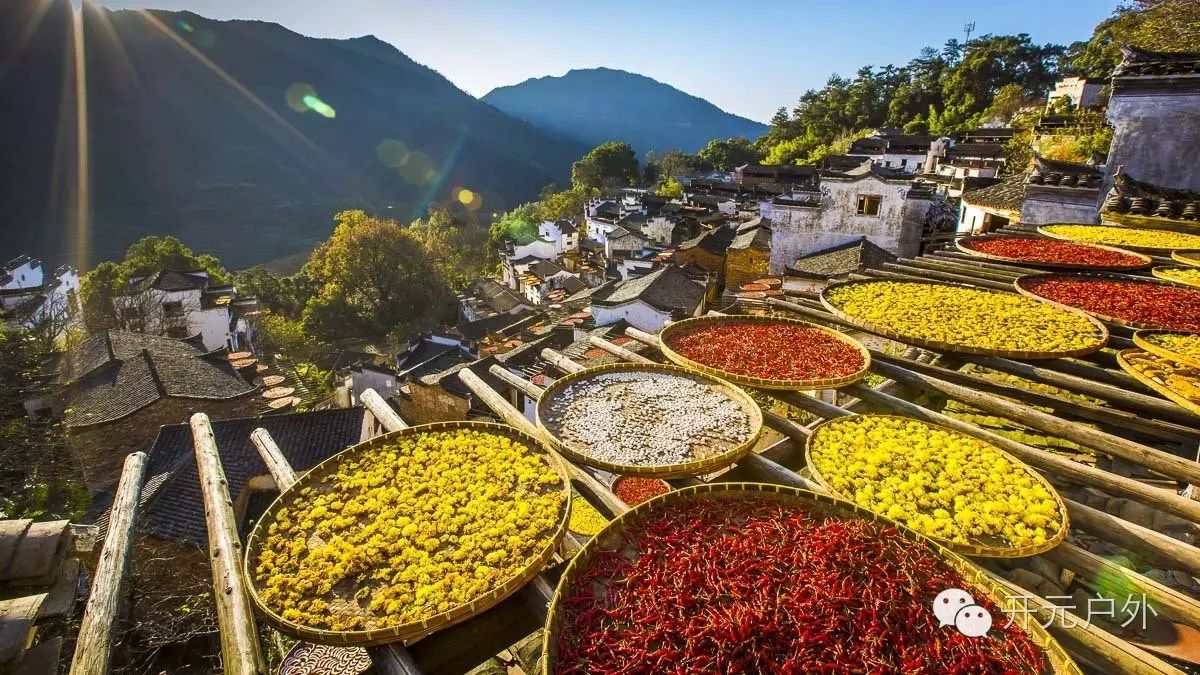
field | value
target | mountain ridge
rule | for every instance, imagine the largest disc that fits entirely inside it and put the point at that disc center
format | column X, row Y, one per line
column 593, row 105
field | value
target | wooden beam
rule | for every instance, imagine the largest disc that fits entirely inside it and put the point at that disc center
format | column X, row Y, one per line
column 921, row 273
column 1113, row 579
column 240, row 651
column 617, row 350
column 517, row 382
column 93, row 647
column 1173, row 467
column 1047, row 462
column 955, row 267
column 561, row 362
column 1154, row 546
column 514, row 418
column 278, row 466
column 382, row 411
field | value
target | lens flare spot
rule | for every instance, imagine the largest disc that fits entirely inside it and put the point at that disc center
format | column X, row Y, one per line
column 392, row 153
column 296, row 94
column 184, row 26
column 469, row 198
column 418, row 169
column 320, row 107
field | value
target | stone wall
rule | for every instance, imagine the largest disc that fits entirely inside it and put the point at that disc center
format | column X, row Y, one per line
column 1156, row 137
column 703, row 258
column 746, row 265
column 101, row 449
column 1060, row 205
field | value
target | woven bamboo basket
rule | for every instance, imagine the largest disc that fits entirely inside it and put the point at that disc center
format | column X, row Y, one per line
column 1163, row 390
column 1143, row 339
column 618, row 532
column 664, row 339
column 938, row 345
column 1043, row 229
column 978, row 549
column 415, row 629
column 962, row 245
column 1020, row 282
column 1163, row 272
column 580, row 454
column 1186, row 257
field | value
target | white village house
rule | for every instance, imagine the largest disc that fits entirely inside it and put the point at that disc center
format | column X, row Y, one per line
column 186, row 304
column 649, row 302
column 34, row 300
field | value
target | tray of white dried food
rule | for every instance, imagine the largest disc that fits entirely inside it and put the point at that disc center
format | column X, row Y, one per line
column 649, row 420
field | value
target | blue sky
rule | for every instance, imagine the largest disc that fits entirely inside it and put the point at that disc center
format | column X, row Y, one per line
column 746, row 57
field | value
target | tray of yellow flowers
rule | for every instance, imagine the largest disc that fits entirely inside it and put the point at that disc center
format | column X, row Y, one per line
column 964, row 493
column 407, row 533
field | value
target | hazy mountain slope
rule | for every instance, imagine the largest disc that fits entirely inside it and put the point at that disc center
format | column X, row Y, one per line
column 191, row 134
column 601, row 104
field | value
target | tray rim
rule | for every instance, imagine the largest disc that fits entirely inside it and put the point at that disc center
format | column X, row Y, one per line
column 1162, row 390
column 1139, row 339
column 1158, row 270
column 692, row 468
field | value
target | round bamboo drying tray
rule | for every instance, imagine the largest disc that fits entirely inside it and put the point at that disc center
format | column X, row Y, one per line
column 279, row 404
column 1162, row 389
column 1042, row 229
column 755, row 287
column 306, row 658
column 1101, row 329
column 1142, row 337
column 980, row 550
column 431, row 624
column 693, row 468
column 261, row 368
column 961, row 245
column 769, row 281
column 1160, row 272
column 617, row 532
column 243, row 363
column 1020, row 282
column 752, row 295
column 1186, row 257
column 238, row 356
column 759, row 382
column 273, row 380
column 279, row 392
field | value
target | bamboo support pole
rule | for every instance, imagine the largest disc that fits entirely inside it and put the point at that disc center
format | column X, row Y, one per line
column 617, row 350
column 93, row 647
column 382, row 411
column 985, row 263
column 1156, row 547
column 1087, row 411
column 1048, row 462
column 277, row 465
column 1166, row 464
column 1088, row 642
column 517, row 382
column 561, row 362
column 920, row 273
column 965, row 269
column 240, row 650
column 1116, row 580
column 514, row 418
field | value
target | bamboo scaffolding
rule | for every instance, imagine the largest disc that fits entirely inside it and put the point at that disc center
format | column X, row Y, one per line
column 241, row 653
column 93, row 646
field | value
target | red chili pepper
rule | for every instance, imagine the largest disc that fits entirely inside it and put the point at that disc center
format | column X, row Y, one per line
column 778, row 351
column 747, row 585
column 1143, row 302
column 1053, row 251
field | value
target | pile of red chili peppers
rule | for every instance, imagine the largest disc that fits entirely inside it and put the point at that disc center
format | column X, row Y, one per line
column 775, row 351
column 759, row 586
column 1053, row 251
column 1150, row 304
column 633, row 490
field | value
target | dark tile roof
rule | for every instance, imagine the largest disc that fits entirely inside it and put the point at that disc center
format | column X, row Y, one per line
column 477, row 329
column 544, row 269
column 1143, row 199
column 1049, row 172
column 172, row 505
column 1145, row 63
column 971, row 135
column 842, row 259
column 572, row 284
column 116, row 373
column 566, row 226
column 667, row 289
column 173, row 280
column 715, row 241
column 497, row 297
column 974, row 150
column 1007, row 194
column 754, row 233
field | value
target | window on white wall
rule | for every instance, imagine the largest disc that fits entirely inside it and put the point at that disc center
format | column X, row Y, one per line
column 868, row 205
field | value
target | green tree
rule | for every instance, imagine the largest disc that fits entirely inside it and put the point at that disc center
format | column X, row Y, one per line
column 728, row 154
column 670, row 188
column 565, row 204
column 152, row 254
column 285, row 296
column 1008, row 102
column 608, row 165
column 373, row 281
column 453, row 245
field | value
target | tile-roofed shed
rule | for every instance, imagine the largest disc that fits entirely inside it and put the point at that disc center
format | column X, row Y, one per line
column 172, row 505
column 842, row 259
column 1008, row 194
column 117, row 373
column 667, row 289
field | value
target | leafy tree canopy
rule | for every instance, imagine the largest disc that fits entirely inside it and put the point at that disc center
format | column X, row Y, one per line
column 728, row 154
column 670, row 188
column 608, row 165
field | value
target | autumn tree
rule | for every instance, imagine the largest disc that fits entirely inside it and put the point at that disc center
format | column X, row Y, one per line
column 608, row 165
column 373, row 281
column 669, row 188
column 453, row 245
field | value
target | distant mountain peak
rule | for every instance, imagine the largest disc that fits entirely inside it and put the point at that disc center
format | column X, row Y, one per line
column 593, row 105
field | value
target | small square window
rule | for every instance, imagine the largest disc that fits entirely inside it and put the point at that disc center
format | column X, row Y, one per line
column 868, row 205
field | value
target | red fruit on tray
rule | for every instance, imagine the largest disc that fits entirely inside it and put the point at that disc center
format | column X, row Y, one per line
column 1053, row 252
column 771, row 351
